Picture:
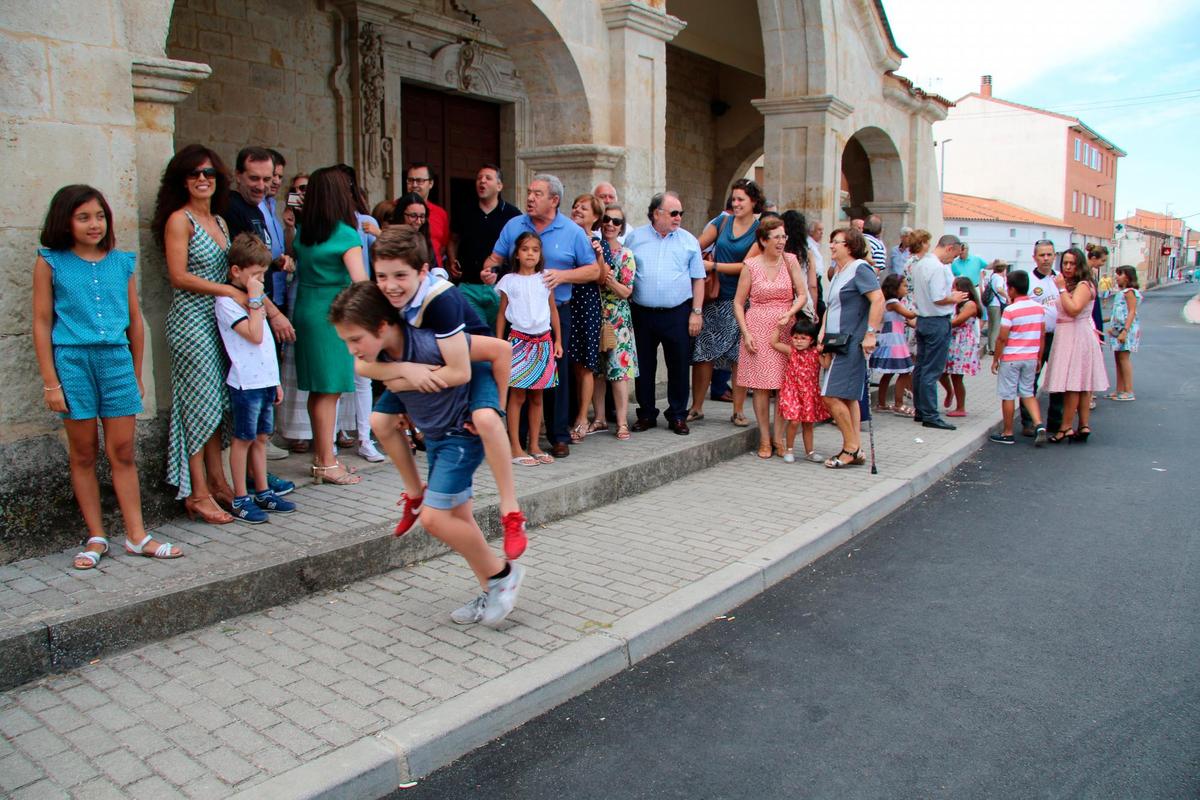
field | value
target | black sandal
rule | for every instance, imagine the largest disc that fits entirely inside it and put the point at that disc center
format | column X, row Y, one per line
column 1082, row 435
column 835, row 462
column 1062, row 436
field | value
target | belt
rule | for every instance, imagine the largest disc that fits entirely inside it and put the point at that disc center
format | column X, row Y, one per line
column 533, row 338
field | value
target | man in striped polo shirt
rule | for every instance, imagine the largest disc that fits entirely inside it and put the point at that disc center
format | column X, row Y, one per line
column 1016, row 358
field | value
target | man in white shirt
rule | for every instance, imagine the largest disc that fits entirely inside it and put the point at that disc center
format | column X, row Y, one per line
column 1043, row 290
column 935, row 299
column 816, row 232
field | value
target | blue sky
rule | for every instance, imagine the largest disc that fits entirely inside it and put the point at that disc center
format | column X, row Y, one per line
column 1100, row 61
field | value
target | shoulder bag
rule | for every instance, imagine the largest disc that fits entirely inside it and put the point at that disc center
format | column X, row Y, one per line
column 712, row 281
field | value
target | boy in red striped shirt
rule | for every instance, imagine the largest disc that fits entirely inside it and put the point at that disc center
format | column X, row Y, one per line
column 1017, row 356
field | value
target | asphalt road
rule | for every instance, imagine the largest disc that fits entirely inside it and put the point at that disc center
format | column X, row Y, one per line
column 1030, row 627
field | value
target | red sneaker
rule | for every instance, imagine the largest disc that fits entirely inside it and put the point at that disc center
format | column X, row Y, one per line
column 515, row 540
column 412, row 510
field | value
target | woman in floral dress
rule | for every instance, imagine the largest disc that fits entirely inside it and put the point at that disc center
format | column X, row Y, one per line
column 620, row 364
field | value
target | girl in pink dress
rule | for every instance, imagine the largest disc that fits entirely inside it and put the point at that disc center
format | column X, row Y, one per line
column 1076, row 365
column 800, row 395
column 773, row 284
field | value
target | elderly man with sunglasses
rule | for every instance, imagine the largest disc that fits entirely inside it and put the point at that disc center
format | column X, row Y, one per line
column 667, row 304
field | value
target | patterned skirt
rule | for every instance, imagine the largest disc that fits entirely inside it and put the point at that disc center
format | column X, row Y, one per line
column 199, row 400
column 533, row 365
column 720, row 338
column 583, row 340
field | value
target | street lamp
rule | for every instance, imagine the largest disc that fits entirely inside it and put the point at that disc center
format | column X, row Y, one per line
column 942, row 177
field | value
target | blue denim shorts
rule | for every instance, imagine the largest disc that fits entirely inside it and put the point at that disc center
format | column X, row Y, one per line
column 253, row 412
column 97, row 381
column 453, row 460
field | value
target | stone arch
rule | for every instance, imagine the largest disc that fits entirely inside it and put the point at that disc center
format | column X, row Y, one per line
column 871, row 170
column 733, row 163
column 795, row 50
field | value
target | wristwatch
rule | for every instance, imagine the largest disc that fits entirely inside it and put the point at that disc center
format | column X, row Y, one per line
column 697, row 309
column 871, row 330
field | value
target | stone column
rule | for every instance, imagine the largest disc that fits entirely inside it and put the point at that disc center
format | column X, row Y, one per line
column 579, row 166
column 802, row 153
column 158, row 85
column 638, row 33
column 895, row 215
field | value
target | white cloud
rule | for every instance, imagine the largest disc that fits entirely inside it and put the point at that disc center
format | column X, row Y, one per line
column 950, row 46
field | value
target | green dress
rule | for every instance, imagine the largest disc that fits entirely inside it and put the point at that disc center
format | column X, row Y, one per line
column 323, row 364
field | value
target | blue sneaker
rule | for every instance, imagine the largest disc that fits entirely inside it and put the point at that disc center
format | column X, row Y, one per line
column 279, row 486
column 244, row 509
column 270, row 501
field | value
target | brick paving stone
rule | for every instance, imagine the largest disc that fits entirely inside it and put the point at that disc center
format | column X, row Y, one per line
column 274, row 760
column 69, row 769
column 93, row 741
column 40, row 744
column 15, row 721
column 292, row 738
column 123, row 767
column 228, row 765
column 98, row 789
column 207, row 787
column 38, row 791
column 16, row 771
column 62, row 718
column 178, row 767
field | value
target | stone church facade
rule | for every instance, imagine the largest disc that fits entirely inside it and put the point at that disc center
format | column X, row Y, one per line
column 647, row 94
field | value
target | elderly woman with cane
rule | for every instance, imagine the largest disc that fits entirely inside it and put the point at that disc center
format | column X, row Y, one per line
column 853, row 315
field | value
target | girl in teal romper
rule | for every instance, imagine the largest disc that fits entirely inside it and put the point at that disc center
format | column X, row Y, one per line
column 87, row 334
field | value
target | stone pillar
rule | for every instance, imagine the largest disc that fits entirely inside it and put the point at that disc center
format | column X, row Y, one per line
column 638, row 33
column 895, row 215
column 802, row 153
column 158, row 85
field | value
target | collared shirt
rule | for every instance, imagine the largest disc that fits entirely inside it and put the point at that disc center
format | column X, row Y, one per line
column 274, row 229
column 815, row 259
column 897, row 260
column 251, row 366
column 91, row 299
column 970, row 267
column 878, row 252
column 1024, row 321
column 932, row 281
column 241, row 217
column 666, row 266
column 477, row 234
column 565, row 245
column 1043, row 290
column 440, row 307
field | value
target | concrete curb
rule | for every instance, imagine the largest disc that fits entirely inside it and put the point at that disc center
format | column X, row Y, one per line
column 439, row 736
column 81, row 634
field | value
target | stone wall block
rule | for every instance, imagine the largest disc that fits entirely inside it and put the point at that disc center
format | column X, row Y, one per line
column 231, row 9
column 202, row 7
column 266, row 78
column 213, row 42
column 65, row 153
column 228, row 71
column 21, row 394
column 65, row 20
column 91, row 84
column 25, row 89
column 208, row 22
column 18, row 249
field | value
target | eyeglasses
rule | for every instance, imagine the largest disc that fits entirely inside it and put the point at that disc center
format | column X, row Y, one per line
column 302, row 188
column 837, row 241
column 418, row 180
column 675, row 213
column 206, row 172
column 777, row 237
column 607, row 220
column 417, row 216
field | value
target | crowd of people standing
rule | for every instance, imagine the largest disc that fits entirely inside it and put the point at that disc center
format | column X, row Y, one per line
column 402, row 329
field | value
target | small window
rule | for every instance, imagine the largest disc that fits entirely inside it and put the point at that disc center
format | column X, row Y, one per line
column 1074, row 202
column 962, row 231
column 1078, row 147
column 1095, row 159
column 1012, row 233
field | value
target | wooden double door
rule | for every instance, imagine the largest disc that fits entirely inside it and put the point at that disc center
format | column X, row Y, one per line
column 455, row 135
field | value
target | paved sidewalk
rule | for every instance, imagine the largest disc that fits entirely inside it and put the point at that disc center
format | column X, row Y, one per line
column 362, row 687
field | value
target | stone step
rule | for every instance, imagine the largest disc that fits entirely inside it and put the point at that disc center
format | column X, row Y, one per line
column 53, row 618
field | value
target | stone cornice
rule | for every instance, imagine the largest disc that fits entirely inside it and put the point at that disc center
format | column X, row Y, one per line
column 165, row 80
column 891, row 207
column 641, row 18
column 924, row 106
column 572, row 156
column 804, row 105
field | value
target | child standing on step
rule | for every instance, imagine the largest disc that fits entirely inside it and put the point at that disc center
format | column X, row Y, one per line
column 253, row 380
column 401, row 260
column 800, row 394
column 527, row 305
column 374, row 331
column 892, row 356
column 88, row 337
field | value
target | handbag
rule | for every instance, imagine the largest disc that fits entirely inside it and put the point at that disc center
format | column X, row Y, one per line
column 608, row 337
column 712, row 281
column 837, row 344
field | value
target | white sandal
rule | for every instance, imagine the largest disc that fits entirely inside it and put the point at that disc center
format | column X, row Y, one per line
column 92, row 557
column 164, row 550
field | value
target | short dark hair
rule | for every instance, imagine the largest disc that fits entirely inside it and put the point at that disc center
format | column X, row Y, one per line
column 58, row 232
column 277, row 157
column 252, row 154
column 855, row 242
column 891, row 286
column 656, row 202
column 804, row 326
column 362, row 303
column 768, row 224
column 873, row 225
column 247, row 250
column 493, row 168
column 1018, row 281
column 418, row 165
column 401, row 243
column 1130, row 273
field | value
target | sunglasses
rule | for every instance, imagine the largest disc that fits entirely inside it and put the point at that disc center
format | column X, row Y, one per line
column 607, row 220
column 207, row 172
column 675, row 213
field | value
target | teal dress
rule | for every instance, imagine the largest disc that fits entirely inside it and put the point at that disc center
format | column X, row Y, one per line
column 323, row 364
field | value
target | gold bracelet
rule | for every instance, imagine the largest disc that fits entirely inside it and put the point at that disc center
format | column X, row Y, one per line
column 51, row 388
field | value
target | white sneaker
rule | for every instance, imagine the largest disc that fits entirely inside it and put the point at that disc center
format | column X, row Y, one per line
column 366, row 449
column 471, row 612
column 502, row 595
column 276, row 453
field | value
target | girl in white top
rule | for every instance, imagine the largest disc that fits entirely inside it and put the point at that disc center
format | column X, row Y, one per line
column 527, row 305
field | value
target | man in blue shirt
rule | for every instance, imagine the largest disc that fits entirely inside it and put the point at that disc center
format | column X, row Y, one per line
column 570, row 259
column 968, row 266
column 667, row 306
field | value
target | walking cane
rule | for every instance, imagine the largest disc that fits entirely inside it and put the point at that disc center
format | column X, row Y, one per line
column 871, row 420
